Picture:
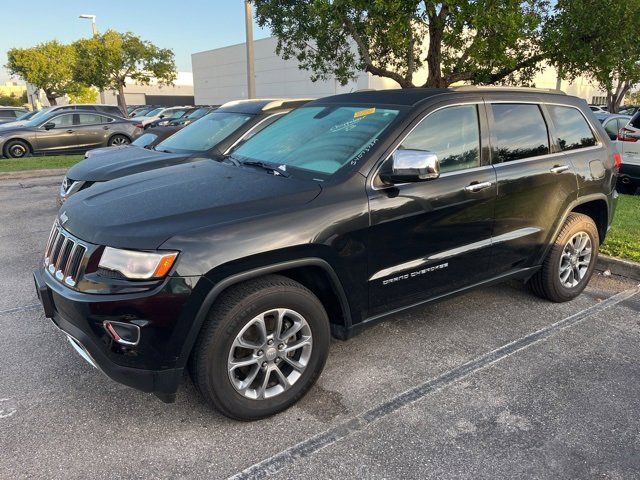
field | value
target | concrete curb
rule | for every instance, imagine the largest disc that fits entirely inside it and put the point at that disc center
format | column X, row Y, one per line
column 617, row 266
column 20, row 175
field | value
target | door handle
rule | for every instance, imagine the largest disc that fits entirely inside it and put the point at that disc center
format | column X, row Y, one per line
column 476, row 187
column 559, row 169
column 69, row 131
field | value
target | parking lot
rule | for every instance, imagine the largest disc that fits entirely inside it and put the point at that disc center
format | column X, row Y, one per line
column 493, row 384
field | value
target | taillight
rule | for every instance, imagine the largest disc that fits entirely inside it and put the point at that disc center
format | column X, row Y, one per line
column 624, row 135
column 139, row 125
column 617, row 160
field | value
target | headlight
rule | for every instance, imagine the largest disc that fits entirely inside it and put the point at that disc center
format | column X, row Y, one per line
column 138, row 265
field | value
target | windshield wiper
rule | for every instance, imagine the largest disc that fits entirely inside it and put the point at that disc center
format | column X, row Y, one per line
column 276, row 169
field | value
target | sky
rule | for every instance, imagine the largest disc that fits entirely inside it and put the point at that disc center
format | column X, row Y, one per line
column 185, row 26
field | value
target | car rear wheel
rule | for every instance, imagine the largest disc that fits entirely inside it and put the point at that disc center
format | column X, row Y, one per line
column 264, row 344
column 568, row 267
column 16, row 149
column 117, row 140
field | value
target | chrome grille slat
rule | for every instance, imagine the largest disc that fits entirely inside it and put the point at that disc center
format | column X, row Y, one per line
column 64, row 256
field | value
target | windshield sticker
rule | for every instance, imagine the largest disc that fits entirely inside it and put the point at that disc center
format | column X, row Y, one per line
column 364, row 113
column 346, row 126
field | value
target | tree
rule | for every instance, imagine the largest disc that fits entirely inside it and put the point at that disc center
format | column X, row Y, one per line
column 478, row 41
column 83, row 94
column 597, row 39
column 106, row 61
column 14, row 100
column 48, row 66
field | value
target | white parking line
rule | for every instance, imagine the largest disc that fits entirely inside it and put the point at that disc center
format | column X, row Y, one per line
column 324, row 439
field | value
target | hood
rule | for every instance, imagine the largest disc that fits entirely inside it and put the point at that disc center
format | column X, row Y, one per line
column 142, row 211
column 11, row 129
column 103, row 150
column 121, row 162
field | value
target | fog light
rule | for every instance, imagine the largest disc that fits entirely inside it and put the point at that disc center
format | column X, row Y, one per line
column 123, row 333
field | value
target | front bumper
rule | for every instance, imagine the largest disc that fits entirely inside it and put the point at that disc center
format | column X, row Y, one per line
column 154, row 365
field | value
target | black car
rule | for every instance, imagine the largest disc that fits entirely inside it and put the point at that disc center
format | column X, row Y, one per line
column 212, row 136
column 67, row 131
column 347, row 210
column 11, row 114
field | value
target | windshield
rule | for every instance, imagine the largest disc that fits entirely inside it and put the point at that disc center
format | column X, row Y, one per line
column 27, row 115
column 318, row 139
column 40, row 114
column 200, row 112
column 154, row 112
column 174, row 114
column 205, row 133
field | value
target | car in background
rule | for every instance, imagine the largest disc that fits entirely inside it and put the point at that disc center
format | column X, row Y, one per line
column 171, row 116
column 141, row 111
column 612, row 124
column 213, row 136
column 64, row 131
column 629, row 147
column 599, row 108
column 197, row 113
column 629, row 110
column 11, row 114
column 21, row 120
column 160, row 113
column 148, row 140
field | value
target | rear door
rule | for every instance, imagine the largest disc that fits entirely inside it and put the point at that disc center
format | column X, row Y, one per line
column 92, row 130
column 433, row 237
column 536, row 183
column 60, row 138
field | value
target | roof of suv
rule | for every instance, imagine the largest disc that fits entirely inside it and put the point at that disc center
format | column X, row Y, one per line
column 413, row 96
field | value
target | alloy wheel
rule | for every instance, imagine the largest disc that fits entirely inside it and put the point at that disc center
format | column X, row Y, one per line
column 120, row 141
column 575, row 260
column 17, row 151
column 270, row 354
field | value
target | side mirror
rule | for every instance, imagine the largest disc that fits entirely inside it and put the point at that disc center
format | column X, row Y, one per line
column 411, row 166
column 161, row 116
column 49, row 125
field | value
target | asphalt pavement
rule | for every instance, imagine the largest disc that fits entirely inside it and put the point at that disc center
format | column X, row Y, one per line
column 492, row 384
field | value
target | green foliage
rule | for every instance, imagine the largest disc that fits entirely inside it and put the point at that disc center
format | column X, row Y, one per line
column 48, row 66
column 597, row 39
column 623, row 240
column 83, row 94
column 479, row 41
column 106, row 61
column 14, row 100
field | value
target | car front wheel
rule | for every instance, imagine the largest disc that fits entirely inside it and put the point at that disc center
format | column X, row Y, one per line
column 16, row 149
column 263, row 346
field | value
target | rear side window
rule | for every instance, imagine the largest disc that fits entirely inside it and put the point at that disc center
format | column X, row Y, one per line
column 571, row 127
column 519, row 131
column 452, row 133
column 112, row 109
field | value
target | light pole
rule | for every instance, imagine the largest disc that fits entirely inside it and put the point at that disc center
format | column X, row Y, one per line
column 94, row 29
column 248, row 24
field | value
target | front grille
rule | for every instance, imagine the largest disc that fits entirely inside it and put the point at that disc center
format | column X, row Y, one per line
column 64, row 256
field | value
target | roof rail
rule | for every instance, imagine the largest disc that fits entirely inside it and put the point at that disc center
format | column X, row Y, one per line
column 465, row 88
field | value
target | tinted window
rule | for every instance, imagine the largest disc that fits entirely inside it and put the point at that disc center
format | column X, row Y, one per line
column 572, row 129
column 90, row 119
column 113, row 110
column 62, row 120
column 452, row 134
column 519, row 131
column 7, row 114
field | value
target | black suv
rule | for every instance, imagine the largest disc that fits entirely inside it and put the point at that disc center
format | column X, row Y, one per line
column 347, row 210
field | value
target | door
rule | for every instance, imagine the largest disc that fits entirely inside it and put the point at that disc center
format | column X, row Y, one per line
column 93, row 130
column 536, row 183
column 629, row 145
column 59, row 138
column 432, row 237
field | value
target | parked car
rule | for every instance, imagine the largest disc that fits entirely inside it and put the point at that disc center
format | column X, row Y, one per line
column 11, row 114
column 612, row 124
column 213, row 136
column 346, row 210
column 139, row 112
column 629, row 110
column 599, row 108
column 160, row 113
column 21, row 120
column 148, row 139
column 171, row 116
column 63, row 131
column 629, row 147
column 197, row 113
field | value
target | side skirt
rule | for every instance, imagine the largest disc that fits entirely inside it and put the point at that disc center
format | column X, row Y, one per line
column 342, row 333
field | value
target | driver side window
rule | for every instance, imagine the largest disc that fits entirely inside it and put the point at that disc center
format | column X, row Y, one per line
column 62, row 121
column 452, row 133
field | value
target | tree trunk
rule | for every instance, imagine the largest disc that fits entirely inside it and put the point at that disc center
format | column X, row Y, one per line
column 122, row 102
column 434, row 54
column 51, row 98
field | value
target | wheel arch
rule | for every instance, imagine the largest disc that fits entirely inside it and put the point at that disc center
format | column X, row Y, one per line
column 314, row 273
column 29, row 144
column 598, row 210
column 118, row 134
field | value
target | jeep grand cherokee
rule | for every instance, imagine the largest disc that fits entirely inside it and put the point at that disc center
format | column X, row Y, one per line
column 343, row 212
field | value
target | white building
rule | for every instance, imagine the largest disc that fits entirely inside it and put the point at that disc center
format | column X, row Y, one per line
column 220, row 75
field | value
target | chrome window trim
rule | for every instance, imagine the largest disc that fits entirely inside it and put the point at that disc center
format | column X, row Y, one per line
column 248, row 132
column 377, row 169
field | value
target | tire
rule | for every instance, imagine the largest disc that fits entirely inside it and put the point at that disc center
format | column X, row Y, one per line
column 119, row 140
column 235, row 318
column 549, row 282
column 16, row 149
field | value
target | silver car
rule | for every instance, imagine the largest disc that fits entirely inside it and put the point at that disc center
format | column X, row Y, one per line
column 67, row 132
